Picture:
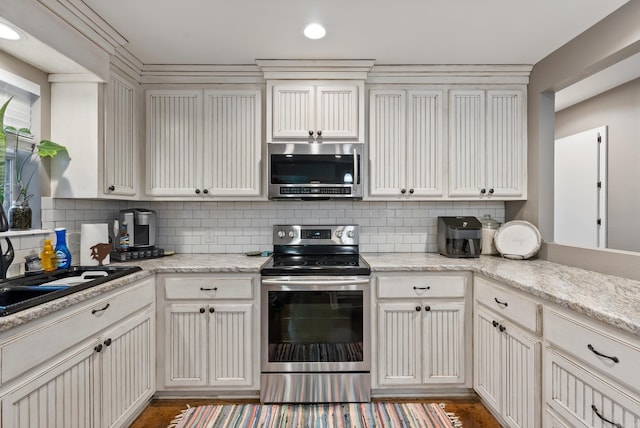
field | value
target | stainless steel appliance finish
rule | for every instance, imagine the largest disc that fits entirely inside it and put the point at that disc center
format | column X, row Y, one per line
column 315, row 313
column 141, row 226
column 315, row 170
column 459, row 236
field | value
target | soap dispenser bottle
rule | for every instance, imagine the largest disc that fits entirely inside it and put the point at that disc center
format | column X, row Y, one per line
column 62, row 251
column 48, row 257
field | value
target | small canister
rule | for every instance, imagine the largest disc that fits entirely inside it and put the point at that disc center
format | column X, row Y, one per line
column 489, row 229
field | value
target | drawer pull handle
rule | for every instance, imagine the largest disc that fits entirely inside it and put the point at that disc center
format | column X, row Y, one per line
column 208, row 289
column 95, row 311
column 503, row 304
column 595, row 410
column 592, row 349
column 421, row 288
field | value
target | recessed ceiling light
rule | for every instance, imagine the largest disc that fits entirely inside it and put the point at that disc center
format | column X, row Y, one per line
column 314, row 31
column 8, row 33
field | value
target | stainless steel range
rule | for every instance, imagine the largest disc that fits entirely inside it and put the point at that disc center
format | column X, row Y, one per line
column 315, row 309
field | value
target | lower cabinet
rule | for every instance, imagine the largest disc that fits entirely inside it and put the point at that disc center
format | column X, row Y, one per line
column 208, row 333
column 420, row 327
column 101, row 382
column 506, row 355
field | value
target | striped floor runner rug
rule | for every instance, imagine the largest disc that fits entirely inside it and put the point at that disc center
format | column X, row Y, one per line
column 352, row 415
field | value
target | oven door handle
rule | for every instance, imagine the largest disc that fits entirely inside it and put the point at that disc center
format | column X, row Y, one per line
column 355, row 169
column 314, row 282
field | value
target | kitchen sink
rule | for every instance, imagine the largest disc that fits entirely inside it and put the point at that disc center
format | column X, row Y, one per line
column 18, row 294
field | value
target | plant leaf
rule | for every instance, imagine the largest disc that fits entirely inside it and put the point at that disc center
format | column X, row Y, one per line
column 48, row 148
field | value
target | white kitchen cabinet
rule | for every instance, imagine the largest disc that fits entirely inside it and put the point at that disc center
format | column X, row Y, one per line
column 590, row 371
column 487, row 144
column 420, row 328
column 203, row 143
column 98, row 123
column 103, row 380
column 406, row 143
column 207, row 336
column 329, row 110
column 506, row 356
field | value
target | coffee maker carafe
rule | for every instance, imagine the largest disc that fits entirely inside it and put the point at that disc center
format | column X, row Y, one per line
column 459, row 236
column 141, row 226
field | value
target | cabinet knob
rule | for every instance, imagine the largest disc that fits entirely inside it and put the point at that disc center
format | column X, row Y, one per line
column 107, row 342
column 483, row 191
column 502, row 328
column 494, row 323
column 112, row 188
column 319, row 133
column 212, row 309
column 98, row 348
column 418, row 308
column 205, row 191
column 411, row 191
column 491, row 191
column 197, row 191
column 310, row 133
column 202, row 310
column 403, row 191
column 427, row 308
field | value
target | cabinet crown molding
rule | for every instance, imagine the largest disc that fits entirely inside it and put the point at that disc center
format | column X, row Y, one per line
column 315, row 69
column 507, row 74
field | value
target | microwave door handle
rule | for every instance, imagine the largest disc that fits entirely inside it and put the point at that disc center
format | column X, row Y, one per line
column 355, row 169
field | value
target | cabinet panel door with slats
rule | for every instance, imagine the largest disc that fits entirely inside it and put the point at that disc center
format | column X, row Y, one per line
column 399, row 343
column 466, row 142
column 232, row 344
column 293, row 111
column 505, row 153
column 387, row 142
column 487, row 362
column 443, row 342
column 232, row 142
column 426, row 144
column 174, row 142
column 185, row 359
column 337, row 111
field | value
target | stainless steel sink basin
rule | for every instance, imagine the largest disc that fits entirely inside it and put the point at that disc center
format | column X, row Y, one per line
column 18, row 294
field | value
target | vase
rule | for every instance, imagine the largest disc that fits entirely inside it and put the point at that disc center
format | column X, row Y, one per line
column 20, row 216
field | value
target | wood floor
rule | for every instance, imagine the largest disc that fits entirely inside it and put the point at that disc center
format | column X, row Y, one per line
column 159, row 413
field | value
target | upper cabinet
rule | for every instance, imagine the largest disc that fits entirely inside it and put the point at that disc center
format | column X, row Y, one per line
column 406, row 143
column 203, row 143
column 322, row 111
column 487, row 144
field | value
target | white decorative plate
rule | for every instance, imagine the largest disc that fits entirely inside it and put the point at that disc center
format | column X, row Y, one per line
column 518, row 239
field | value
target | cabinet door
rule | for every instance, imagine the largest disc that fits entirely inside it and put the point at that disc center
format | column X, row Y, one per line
column 426, row 145
column 174, row 142
column 487, row 361
column 387, row 142
column 186, row 345
column 520, row 381
column 443, row 347
column 506, row 173
column 337, row 113
column 232, row 142
column 61, row 397
column 121, row 164
column 467, row 143
column 399, row 343
column 232, row 344
column 293, row 111
column 128, row 368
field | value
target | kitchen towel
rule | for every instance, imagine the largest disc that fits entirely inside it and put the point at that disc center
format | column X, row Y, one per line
column 94, row 244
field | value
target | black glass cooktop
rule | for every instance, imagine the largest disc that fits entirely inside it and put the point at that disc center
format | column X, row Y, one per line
column 316, row 264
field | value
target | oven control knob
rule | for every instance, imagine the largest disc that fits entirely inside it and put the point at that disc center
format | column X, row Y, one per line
column 339, row 233
column 281, row 234
column 291, row 234
column 351, row 233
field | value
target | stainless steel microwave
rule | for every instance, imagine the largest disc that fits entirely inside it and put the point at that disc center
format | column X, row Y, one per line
column 315, row 171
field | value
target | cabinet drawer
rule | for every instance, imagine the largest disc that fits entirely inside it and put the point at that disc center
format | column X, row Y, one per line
column 507, row 303
column 26, row 351
column 583, row 398
column 421, row 286
column 198, row 288
column 577, row 337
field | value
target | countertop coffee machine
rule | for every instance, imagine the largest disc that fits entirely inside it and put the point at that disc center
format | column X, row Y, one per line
column 459, row 236
column 141, row 226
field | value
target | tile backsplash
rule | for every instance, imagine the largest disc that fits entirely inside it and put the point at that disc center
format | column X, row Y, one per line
column 236, row 227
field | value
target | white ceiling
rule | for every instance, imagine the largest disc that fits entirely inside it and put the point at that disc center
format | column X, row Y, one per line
column 391, row 32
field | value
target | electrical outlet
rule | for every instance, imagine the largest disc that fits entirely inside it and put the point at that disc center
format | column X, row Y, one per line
column 209, row 237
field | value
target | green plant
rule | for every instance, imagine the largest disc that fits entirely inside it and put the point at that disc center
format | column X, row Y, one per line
column 44, row 148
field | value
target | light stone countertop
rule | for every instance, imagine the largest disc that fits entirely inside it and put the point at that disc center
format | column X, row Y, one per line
column 611, row 299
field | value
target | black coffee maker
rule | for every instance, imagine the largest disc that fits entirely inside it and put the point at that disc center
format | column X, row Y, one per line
column 459, row 236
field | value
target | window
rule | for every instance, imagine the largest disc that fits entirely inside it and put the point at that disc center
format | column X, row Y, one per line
column 20, row 114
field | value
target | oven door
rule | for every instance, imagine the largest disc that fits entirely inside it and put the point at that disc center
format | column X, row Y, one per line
column 315, row 324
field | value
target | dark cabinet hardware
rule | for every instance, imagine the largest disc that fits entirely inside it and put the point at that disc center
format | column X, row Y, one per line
column 418, row 308
column 411, row 191
column 422, row 288
column 112, row 188
column 403, row 191
column 212, row 310
column 205, row 191
column 502, row 328
column 495, row 323
column 310, row 133
column 503, row 304
column 107, row 342
column 208, row 289
column 95, row 311
column 319, row 133
column 202, row 310
column 491, row 191
column 98, row 348
column 592, row 349
column 595, row 410
column 483, row 191
column 427, row 308
column 197, row 191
